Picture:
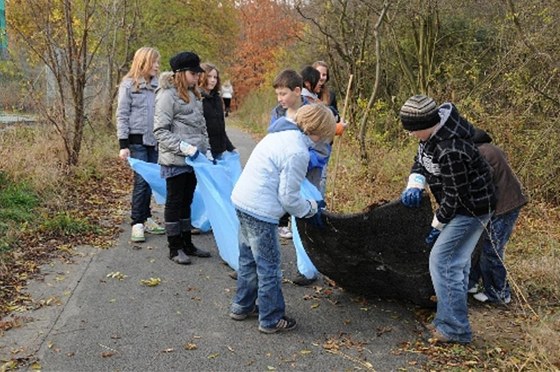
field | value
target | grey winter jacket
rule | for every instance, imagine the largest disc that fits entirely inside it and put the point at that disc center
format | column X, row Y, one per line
column 176, row 121
column 135, row 112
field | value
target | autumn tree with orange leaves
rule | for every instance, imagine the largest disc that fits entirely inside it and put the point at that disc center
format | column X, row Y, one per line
column 267, row 28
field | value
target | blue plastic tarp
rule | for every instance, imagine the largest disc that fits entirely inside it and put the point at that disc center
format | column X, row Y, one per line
column 212, row 204
column 151, row 174
column 304, row 264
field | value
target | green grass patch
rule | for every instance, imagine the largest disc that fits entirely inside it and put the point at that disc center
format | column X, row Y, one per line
column 63, row 223
column 16, row 199
column 17, row 205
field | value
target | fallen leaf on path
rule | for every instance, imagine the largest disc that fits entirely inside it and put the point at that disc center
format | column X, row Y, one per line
column 382, row 330
column 152, row 282
column 190, row 346
column 8, row 366
column 117, row 275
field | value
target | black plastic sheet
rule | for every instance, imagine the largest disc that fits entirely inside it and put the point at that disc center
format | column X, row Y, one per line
column 376, row 253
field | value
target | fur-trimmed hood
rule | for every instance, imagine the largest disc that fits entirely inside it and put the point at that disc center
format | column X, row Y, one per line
column 166, row 80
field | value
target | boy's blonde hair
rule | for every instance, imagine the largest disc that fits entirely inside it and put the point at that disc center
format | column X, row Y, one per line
column 142, row 63
column 316, row 119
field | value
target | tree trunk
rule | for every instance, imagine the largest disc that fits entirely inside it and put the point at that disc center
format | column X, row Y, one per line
column 364, row 121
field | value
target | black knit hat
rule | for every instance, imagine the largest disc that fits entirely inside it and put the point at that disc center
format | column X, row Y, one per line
column 185, row 61
column 419, row 112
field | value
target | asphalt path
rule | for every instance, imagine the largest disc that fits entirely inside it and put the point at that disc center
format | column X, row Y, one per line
column 97, row 315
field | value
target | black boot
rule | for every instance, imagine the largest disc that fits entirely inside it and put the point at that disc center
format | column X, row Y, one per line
column 188, row 245
column 175, row 242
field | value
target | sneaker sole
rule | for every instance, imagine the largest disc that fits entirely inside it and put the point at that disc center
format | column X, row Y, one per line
column 180, row 262
column 235, row 316
column 155, row 232
column 276, row 330
column 253, row 313
column 138, row 240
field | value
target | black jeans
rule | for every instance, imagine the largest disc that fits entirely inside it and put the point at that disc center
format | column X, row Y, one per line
column 180, row 191
column 141, row 192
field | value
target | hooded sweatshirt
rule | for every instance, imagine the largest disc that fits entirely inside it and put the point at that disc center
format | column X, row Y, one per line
column 457, row 174
column 509, row 191
column 270, row 183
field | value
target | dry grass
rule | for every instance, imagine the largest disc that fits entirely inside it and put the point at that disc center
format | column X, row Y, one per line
column 31, row 154
column 35, row 155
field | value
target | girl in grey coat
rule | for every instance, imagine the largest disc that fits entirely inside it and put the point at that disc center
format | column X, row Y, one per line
column 180, row 130
column 135, row 123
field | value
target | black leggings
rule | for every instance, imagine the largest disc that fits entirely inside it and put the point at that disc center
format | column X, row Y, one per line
column 227, row 103
column 284, row 220
column 180, row 191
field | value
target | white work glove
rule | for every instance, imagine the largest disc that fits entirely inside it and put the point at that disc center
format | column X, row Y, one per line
column 188, row 149
column 416, row 180
column 436, row 224
column 313, row 208
column 124, row 154
column 210, row 157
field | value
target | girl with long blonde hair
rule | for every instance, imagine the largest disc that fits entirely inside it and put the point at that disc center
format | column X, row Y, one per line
column 135, row 124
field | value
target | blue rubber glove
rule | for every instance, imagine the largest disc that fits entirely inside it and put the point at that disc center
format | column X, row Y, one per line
column 412, row 198
column 314, row 215
column 432, row 236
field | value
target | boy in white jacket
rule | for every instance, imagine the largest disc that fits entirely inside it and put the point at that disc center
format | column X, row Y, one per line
column 268, row 188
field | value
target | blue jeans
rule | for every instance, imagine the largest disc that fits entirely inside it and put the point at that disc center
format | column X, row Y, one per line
column 490, row 266
column 259, row 274
column 141, row 192
column 450, row 261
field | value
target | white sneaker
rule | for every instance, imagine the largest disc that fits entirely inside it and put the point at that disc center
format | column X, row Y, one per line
column 285, row 232
column 473, row 290
column 480, row 296
column 137, row 234
column 152, row 227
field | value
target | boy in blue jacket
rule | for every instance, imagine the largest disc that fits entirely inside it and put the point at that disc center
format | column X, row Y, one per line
column 268, row 188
